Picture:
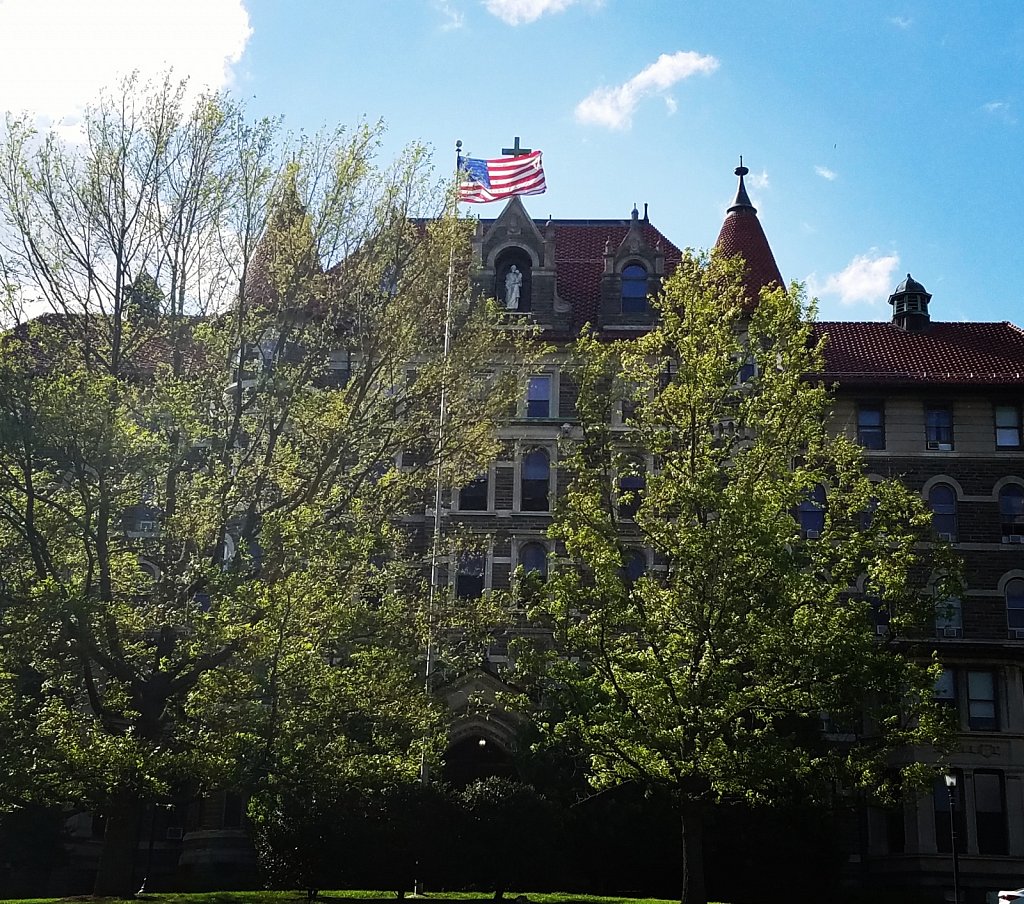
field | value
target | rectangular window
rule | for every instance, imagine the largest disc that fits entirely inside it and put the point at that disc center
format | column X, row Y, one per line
column 473, row 496
column 945, row 688
column 990, row 812
column 949, row 620
column 1008, row 427
column 982, row 714
column 538, row 397
column 469, row 578
column 938, row 425
column 871, row 425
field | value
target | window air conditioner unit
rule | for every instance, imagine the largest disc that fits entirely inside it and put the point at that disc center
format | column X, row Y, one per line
column 947, row 537
column 939, row 447
column 952, row 632
column 1017, row 633
column 812, row 534
column 175, row 833
column 882, row 630
column 1015, row 538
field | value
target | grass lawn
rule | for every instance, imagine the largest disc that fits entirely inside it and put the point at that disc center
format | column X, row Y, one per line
column 294, row 897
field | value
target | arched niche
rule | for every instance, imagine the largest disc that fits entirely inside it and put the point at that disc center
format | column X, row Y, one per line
column 520, row 259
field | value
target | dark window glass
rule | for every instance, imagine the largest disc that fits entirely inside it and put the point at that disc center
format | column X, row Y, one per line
column 473, row 496
column 938, row 425
column 945, row 688
column 942, row 502
column 469, row 578
column 871, row 425
column 538, row 397
column 1007, row 427
column 981, row 700
column 535, row 482
column 948, row 618
column 634, row 289
column 1011, row 511
column 1015, row 604
column 635, row 565
column 811, row 513
column 990, row 812
column 534, row 559
column 631, row 489
column 668, row 374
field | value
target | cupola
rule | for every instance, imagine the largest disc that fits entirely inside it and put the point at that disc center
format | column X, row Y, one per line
column 910, row 306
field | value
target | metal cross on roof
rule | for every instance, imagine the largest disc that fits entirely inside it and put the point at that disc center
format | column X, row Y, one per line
column 516, row 151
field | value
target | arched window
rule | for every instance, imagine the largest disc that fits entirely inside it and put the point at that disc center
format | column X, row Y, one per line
column 1011, row 513
column 631, row 488
column 535, row 480
column 473, row 496
column 634, row 289
column 1015, row 606
column 534, row 559
column 942, row 502
column 811, row 513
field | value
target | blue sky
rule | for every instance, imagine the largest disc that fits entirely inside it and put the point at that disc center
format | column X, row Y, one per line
column 883, row 136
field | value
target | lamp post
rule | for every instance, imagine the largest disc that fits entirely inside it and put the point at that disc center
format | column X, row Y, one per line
column 951, row 791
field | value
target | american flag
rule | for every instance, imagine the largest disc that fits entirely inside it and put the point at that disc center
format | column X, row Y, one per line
column 491, row 180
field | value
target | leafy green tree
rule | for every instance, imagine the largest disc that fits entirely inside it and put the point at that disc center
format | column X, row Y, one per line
column 206, row 450
column 701, row 637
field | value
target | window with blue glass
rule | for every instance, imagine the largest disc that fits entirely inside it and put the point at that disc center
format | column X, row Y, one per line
column 942, row 502
column 811, row 513
column 533, row 557
column 938, row 425
column 538, row 396
column 535, row 482
column 871, row 425
column 634, row 289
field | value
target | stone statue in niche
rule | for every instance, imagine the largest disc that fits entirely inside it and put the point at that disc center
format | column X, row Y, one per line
column 513, row 284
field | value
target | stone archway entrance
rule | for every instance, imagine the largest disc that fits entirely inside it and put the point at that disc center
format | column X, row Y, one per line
column 475, row 758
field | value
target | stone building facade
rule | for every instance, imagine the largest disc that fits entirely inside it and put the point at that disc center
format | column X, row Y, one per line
column 937, row 405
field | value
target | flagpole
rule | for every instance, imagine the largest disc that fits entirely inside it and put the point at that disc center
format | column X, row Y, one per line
column 442, row 417
column 435, row 551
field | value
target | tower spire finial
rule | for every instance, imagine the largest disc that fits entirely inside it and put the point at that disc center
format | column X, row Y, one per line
column 742, row 201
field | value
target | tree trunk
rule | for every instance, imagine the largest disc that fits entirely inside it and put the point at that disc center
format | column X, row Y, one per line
column 692, row 831
column 115, row 876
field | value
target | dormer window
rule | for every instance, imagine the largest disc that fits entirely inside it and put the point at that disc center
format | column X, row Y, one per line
column 634, row 289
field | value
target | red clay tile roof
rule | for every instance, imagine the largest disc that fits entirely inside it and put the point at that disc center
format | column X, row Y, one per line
column 579, row 258
column 946, row 353
column 742, row 236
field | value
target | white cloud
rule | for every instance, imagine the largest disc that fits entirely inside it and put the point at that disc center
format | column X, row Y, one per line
column 826, row 173
column 613, row 107
column 867, row 278
column 900, row 22
column 453, row 17
column 758, row 180
column 1000, row 109
column 671, row 105
column 56, row 55
column 519, row 12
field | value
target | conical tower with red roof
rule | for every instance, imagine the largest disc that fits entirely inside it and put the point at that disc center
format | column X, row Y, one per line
column 742, row 236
